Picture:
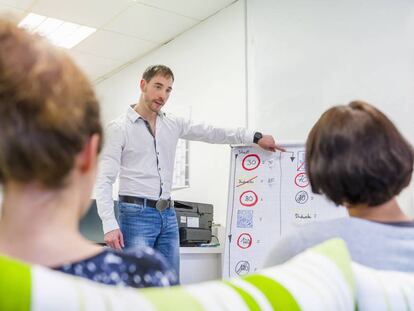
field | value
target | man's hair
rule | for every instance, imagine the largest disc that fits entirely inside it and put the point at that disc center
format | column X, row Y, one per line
column 156, row 70
column 355, row 155
column 48, row 109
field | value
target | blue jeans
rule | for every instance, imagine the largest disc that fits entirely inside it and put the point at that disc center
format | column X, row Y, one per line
column 146, row 226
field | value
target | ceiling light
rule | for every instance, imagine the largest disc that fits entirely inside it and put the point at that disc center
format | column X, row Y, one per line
column 59, row 32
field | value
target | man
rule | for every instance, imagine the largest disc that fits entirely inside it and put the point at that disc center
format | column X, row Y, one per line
column 141, row 147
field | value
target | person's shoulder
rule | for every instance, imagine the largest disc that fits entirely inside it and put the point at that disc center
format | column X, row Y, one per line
column 325, row 224
column 302, row 237
column 170, row 117
column 316, row 232
column 174, row 121
column 388, row 229
column 117, row 126
column 144, row 253
column 146, row 266
column 140, row 268
column 131, row 255
column 118, row 121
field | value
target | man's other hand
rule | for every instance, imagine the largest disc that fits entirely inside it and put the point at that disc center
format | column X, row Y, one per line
column 114, row 239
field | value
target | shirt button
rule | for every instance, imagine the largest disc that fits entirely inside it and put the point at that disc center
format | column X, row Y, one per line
column 159, row 168
column 162, row 184
column 158, row 153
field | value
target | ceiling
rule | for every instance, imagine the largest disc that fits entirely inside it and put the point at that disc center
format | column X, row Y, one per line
column 126, row 29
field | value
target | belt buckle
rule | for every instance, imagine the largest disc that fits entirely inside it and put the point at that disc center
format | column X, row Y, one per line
column 161, row 205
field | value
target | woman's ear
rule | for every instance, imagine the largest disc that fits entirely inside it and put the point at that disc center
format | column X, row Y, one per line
column 88, row 157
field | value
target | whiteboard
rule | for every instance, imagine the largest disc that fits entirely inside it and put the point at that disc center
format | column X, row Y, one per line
column 269, row 195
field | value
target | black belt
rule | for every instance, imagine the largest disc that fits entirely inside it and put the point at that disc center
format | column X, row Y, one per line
column 158, row 204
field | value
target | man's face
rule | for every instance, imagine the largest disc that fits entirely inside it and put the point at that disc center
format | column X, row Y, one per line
column 156, row 92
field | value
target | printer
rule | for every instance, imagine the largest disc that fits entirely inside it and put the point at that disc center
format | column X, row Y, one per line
column 194, row 222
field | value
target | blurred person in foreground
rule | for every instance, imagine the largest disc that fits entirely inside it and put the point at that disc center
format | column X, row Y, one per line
column 50, row 137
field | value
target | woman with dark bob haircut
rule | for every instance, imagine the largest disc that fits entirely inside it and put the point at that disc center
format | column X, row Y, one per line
column 50, row 137
column 357, row 158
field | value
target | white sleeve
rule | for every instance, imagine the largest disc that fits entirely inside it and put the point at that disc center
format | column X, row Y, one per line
column 109, row 164
column 215, row 135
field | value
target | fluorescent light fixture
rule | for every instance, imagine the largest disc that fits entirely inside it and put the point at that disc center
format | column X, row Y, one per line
column 59, row 32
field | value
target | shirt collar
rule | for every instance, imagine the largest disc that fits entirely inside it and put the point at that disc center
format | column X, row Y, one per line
column 134, row 115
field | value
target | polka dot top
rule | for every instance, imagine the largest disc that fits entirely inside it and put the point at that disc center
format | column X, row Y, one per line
column 141, row 267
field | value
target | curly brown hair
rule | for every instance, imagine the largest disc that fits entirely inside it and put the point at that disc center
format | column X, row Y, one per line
column 355, row 155
column 48, row 109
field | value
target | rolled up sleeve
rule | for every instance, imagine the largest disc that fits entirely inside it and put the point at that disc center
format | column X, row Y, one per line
column 215, row 135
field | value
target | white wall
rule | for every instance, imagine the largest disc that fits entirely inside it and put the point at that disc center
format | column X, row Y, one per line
column 305, row 56
column 308, row 55
column 208, row 62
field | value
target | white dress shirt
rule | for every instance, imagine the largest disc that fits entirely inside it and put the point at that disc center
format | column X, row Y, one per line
column 145, row 163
